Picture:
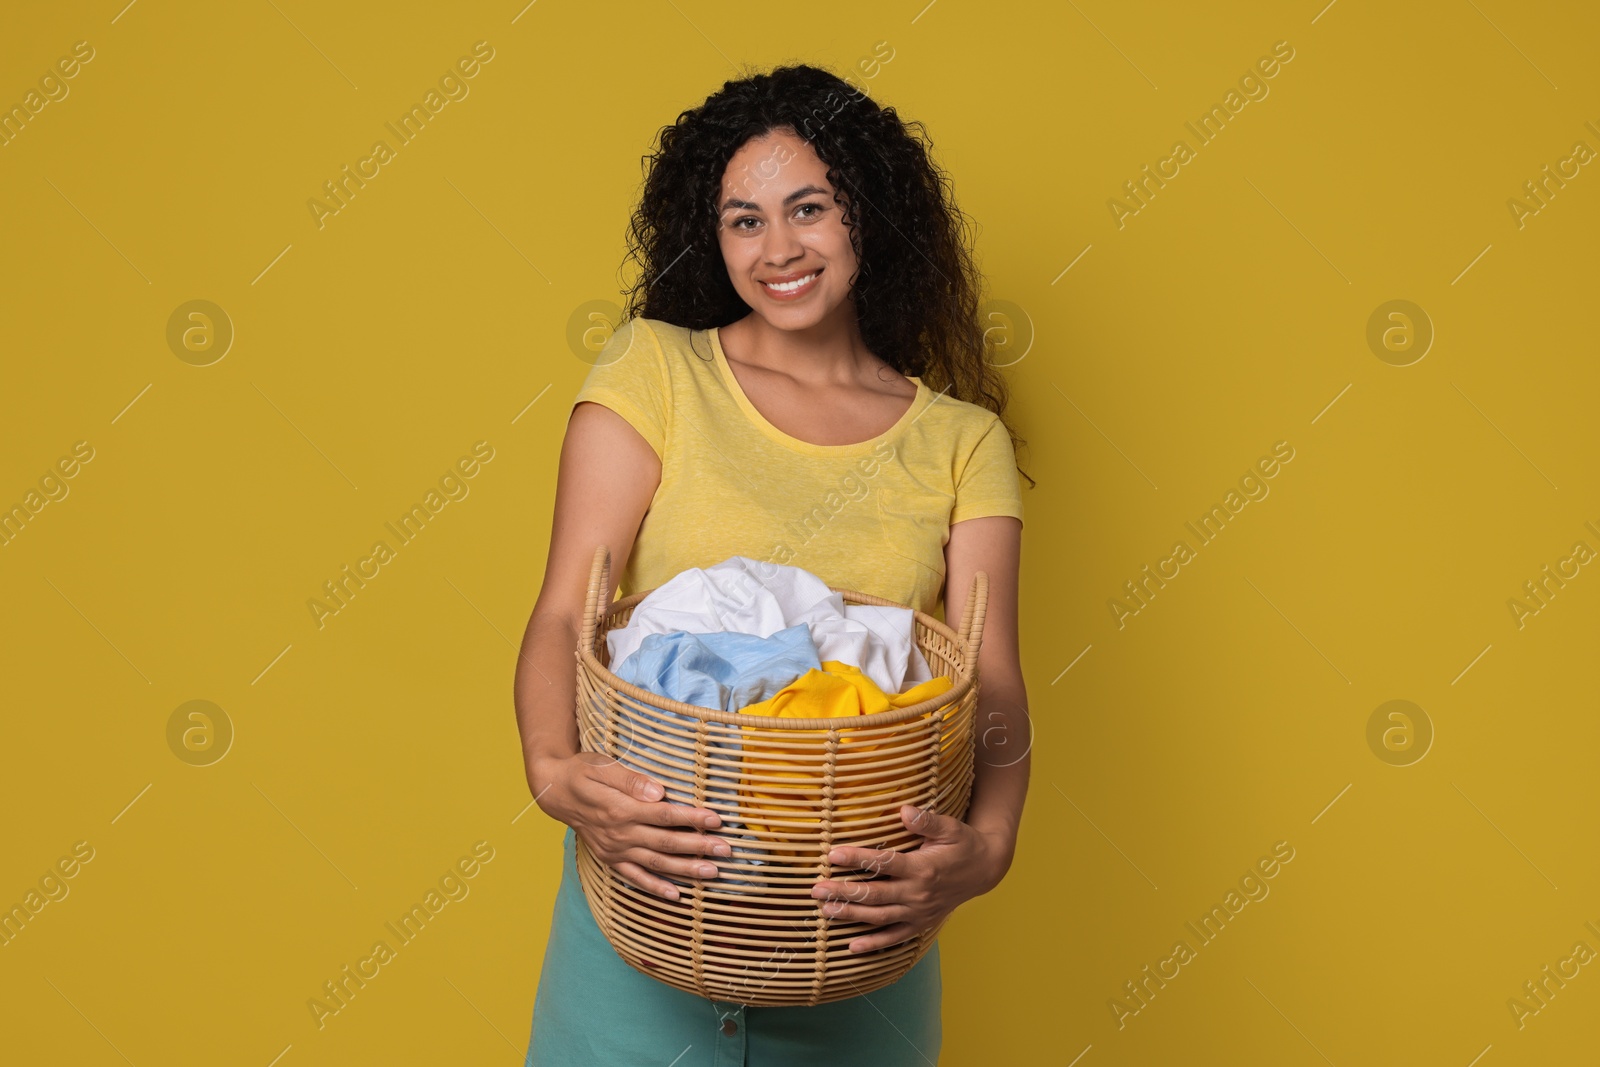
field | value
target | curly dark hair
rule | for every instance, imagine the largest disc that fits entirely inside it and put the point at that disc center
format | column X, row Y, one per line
column 916, row 290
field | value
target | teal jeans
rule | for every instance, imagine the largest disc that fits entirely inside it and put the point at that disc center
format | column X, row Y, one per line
column 593, row 1010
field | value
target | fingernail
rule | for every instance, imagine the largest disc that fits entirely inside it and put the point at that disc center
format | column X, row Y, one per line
column 672, row 893
column 832, row 907
column 721, row 849
column 819, row 891
column 711, row 822
column 707, row 870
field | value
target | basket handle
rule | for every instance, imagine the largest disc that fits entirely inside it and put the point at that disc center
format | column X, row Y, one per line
column 971, row 634
column 594, row 603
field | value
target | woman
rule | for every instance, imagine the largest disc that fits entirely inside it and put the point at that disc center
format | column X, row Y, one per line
column 800, row 380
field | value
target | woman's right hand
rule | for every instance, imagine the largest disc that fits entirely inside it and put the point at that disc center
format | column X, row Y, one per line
column 624, row 820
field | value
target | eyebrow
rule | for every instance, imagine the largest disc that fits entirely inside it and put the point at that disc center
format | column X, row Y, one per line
column 735, row 203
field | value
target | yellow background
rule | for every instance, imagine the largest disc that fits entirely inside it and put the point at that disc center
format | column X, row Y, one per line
column 1228, row 314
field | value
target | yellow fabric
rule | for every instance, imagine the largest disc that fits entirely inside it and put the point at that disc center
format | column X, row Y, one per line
column 873, row 516
column 839, row 690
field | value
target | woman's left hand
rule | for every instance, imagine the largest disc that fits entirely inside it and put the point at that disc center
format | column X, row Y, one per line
column 953, row 864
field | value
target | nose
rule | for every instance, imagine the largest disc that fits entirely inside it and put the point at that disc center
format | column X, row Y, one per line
column 781, row 245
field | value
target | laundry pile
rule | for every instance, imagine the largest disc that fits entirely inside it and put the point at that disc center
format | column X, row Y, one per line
column 766, row 639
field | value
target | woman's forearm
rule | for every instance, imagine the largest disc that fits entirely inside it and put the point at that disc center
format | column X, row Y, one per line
column 1002, row 766
column 545, row 691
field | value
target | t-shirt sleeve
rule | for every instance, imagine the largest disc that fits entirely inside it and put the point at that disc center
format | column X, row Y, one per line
column 629, row 376
column 989, row 483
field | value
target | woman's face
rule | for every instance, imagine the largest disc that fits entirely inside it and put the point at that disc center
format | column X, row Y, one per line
column 778, row 224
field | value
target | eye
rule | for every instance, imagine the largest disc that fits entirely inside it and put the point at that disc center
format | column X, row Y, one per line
column 816, row 208
column 734, row 225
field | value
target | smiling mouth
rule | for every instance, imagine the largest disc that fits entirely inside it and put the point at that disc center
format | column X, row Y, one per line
column 795, row 286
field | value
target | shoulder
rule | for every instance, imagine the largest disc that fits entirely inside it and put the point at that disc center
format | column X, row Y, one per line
column 974, row 441
column 673, row 351
column 961, row 422
column 668, row 339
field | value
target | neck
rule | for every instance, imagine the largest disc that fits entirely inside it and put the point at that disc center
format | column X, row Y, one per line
column 829, row 352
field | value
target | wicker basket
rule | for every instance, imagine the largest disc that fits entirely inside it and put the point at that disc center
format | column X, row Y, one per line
column 788, row 790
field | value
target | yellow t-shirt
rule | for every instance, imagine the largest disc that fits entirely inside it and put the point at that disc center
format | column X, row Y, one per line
column 873, row 516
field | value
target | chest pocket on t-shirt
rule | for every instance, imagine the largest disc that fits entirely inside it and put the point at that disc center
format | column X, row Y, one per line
column 916, row 525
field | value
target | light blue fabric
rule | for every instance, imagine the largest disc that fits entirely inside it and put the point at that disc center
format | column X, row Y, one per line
column 727, row 670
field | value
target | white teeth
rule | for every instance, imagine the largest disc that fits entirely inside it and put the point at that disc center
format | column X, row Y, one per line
column 789, row 287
